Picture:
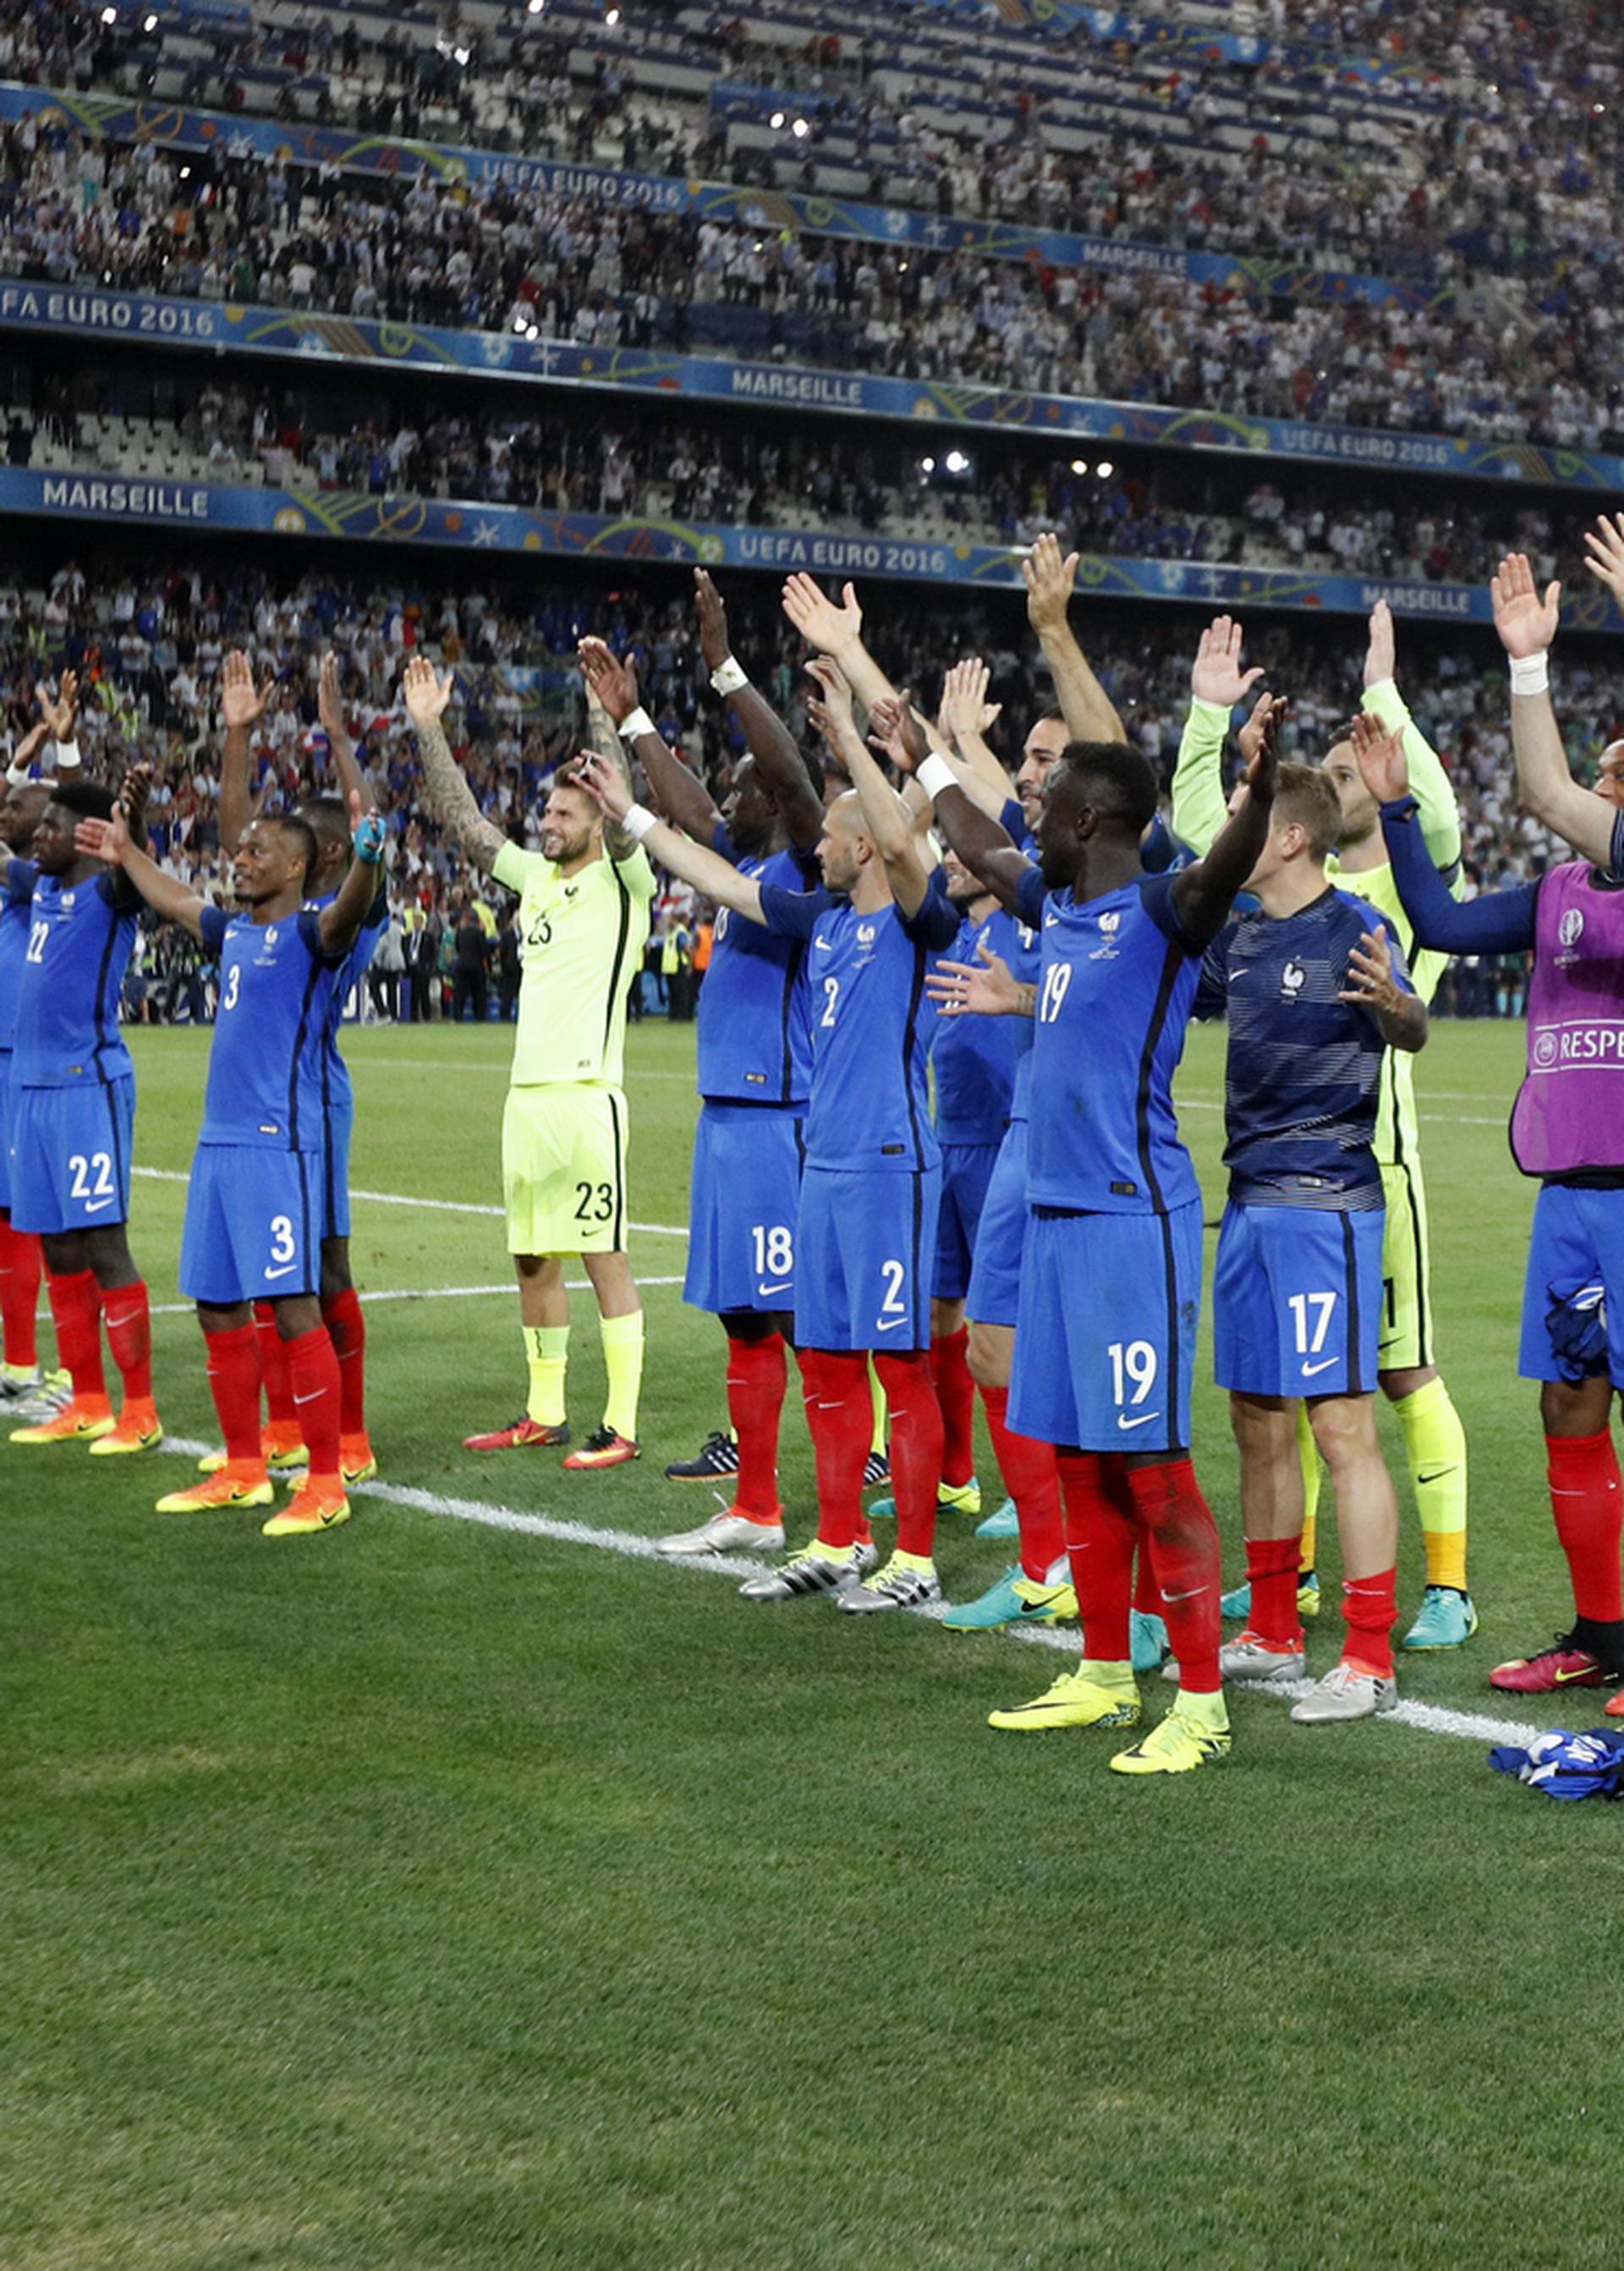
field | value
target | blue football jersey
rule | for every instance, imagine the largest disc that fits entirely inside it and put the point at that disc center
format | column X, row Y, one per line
column 1304, row 1070
column 868, row 1107
column 1116, row 987
column 754, row 1021
column 974, row 1058
column 265, row 1065
column 14, row 944
column 77, row 950
column 336, row 1084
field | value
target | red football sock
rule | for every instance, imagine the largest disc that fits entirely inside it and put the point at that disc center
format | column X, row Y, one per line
column 233, row 1383
column 21, row 1266
column 1032, row 1480
column 916, row 1446
column 949, row 1367
column 1100, row 1544
column 273, row 1368
column 840, row 1421
column 1272, row 1571
column 129, row 1337
column 313, row 1373
column 1147, row 1600
column 1185, row 1556
column 1587, row 1505
column 1369, row 1608
column 756, row 1372
column 345, row 1324
column 76, row 1311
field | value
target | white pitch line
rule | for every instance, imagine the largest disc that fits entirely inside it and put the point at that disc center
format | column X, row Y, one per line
column 1430, row 1718
column 1436, row 1119
column 501, row 1072
column 428, row 1294
column 431, row 1206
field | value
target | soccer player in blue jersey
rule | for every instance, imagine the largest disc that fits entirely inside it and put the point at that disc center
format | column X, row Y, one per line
column 753, row 1065
column 253, row 1205
column 1315, row 996
column 1111, row 1267
column 242, row 704
column 872, row 1182
column 72, row 1116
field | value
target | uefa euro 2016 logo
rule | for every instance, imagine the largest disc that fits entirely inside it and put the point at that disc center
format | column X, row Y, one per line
column 1571, row 927
column 1546, row 1047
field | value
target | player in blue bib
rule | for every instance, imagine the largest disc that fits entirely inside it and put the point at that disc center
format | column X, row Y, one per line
column 1316, row 995
column 254, row 1204
column 1111, row 1267
column 328, row 818
column 872, row 1182
column 754, row 1071
column 72, row 1097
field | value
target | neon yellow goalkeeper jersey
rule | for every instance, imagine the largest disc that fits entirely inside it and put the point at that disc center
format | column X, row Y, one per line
column 581, row 938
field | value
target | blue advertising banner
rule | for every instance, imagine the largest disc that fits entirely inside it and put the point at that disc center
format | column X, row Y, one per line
column 80, row 310
column 112, row 119
column 101, row 499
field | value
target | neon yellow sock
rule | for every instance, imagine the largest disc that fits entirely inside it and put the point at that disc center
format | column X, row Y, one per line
column 877, row 1443
column 545, row 1353
column 1211, row 1710
column 922, row 1562
column 1105, row 1673
column 622, row 1361
column 1309, row 1451
column 1436, row 1446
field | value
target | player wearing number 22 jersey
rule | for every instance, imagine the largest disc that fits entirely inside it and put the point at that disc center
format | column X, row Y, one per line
column 1111, row 1267
column 254, row 1205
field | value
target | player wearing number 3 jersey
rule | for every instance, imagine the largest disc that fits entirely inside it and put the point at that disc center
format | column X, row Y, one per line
column 254, row 1205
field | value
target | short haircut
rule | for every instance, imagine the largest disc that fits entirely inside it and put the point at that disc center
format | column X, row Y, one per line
column 1115, row 779
column 1052, row 716
column 85, row 800
column 1306, row 795
column 298, row 832
column 328, row 820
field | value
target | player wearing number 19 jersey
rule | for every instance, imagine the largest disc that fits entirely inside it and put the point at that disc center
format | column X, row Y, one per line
column 1111, row 1269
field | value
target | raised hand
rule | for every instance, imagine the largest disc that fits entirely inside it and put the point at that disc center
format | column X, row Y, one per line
column 1379, row 756
column 242, row 703
column 1260, row 746
column 1605, row 544
column 966, row 709
column 1218, row 676
column 895, row 728
column 1526, row 623
column 613, row 682
column 133, row 791
column 1382, row 653
column 426, row 693
column 712, row 621
column 1049, row 579
column 821, row 624
column 366, row 832
column 330, row 700
column 831, row 708
column 59, row 715
column 103, row 839
column 605, row 783
column 985, row 988
column 1370, row 983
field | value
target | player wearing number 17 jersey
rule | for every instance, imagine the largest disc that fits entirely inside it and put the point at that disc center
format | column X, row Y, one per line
column 1111, row 1268
column 253, row 1206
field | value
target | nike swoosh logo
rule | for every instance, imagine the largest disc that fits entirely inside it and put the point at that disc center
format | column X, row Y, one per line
column 766, row 1293
column 1143, row 1420
column 311, row 1398
column 1567, row 1678
column 286, row 1270
column 1439, row 1475
column 888, row 1325
column 1324, row 1364
column 94, row 1206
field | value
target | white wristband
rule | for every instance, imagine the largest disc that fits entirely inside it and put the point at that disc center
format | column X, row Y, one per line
column 728, row 677
column 935, row 774
column 638, row 821
column 1531, row 673
column 16, row 774
column 639, row 722
column 67, row 756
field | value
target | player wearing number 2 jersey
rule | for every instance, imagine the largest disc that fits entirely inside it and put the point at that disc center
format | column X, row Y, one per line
column 1111, row 1269
column 253, row 1206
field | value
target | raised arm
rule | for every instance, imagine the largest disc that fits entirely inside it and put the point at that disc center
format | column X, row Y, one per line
column 837, row 632
column 611, row 747
column 1204, row 895
column 59, row 718
column 109, row 840
column 1496, row 922
column 340, row 920
column 330, row 706
column 1088, row 710
column 451, row 799
column 886, row 816
column 981, row 842
column 1527, row 625
column 777, row 758
column 677, row 795
column 711, row 876
column 242, row 705
column 964, row 722
column 1429, row 782
column 1217, row 683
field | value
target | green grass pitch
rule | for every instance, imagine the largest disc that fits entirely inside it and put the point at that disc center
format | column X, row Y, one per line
column 433, row 1895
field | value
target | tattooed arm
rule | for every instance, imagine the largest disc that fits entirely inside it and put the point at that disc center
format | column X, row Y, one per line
column 451, row 799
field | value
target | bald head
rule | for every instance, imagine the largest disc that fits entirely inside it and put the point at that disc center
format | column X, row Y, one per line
column 22, row 806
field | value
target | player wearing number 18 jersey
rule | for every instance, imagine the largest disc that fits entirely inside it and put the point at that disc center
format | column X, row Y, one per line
column 1111, row 1269
column 253, row 1206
